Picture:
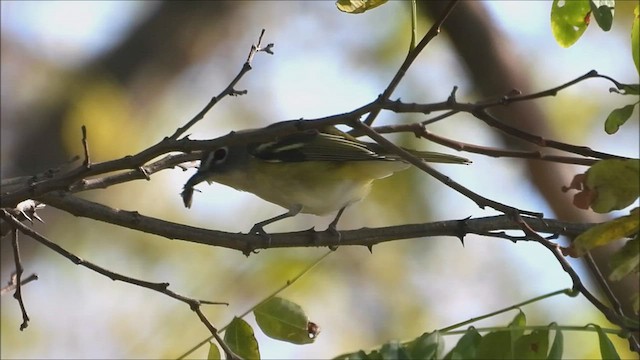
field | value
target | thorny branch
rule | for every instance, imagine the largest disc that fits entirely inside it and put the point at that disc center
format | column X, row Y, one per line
column 230, row 90
column 163, row 288
column 410, row 58
column 56, row 187
column 364, row 237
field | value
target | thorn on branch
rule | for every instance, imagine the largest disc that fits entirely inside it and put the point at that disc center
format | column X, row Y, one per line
column 451, row 100
column 462, row 230
column 207, row 302
column 235, row 92
column 85, row 145
column 506, row 99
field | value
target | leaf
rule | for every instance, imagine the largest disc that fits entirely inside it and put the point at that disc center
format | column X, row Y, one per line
column 616, row 183
column 626, row 260
column 240, row 339
column 466, row 347
column 607, row 350
column 635, row 38
column 617, row 118
column 605, row 233
column 358, row 6
column 284, row 320
column 519, row 321
column 495, row 345
column 569, row 20
column 532, row 346
column 214, row 352
column 427, row 346
column 393, row 351
column 389, row 351
column 360, row 355
column 602, row 11
column 558, row 344
column 635, row 300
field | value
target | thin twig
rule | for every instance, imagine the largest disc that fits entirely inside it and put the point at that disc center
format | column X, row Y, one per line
column 163, row 288
column 480, row 200
column 490, row 120
column 508, row 308
column 13, row 282
column 411, row 56
column 229, row 90
column 578, row 285
column 85, row 145
column 274, row 293
column 420, row 131
column 19, row 269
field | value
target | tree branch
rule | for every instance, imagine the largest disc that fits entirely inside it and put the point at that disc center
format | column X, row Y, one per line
column 309, row 238
column 159, row 287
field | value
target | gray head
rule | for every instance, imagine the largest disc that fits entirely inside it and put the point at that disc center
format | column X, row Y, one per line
column 215, row 162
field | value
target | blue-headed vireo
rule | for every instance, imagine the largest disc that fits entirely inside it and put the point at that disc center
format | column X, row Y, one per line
column 314, row 172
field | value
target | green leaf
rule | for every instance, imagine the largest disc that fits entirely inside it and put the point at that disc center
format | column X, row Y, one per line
column 616, row 182
column 427, row 346
column 569, row 20
column 626, row 260
column 214, row 352
column 605, row 233
column 466, row 346
column 519, row 321
column 617, row 118
column 283, row 320
column 635, row 301
column 602, row 11
column 495, row 345
column 558, row 344
column 358, row 6
column 635, row 38
column 607, row 350
column 394, row 351
column 389, row 351
column 240, row 339
column 360, row 355
column 532, row 346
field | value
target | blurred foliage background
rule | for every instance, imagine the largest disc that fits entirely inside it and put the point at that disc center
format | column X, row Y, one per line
column 132, row 72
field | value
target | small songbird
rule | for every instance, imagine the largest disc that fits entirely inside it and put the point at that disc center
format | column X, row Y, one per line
column 313, row 172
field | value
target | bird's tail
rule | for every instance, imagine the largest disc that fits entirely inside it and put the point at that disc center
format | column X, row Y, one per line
column 435, row 157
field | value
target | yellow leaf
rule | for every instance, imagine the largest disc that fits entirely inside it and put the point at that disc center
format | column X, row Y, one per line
column 358, row 6
column 605, row 233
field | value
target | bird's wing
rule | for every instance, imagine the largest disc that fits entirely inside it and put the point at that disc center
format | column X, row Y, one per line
column 313, row 146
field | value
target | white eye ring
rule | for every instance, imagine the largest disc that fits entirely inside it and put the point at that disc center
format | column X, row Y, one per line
column 215, row 157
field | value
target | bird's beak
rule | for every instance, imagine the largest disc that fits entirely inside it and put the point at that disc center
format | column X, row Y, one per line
column 187, row 191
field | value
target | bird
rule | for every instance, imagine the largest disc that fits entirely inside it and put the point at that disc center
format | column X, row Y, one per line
column 311, row 171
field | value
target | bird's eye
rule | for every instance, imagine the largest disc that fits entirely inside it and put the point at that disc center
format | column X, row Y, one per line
column 214, row 158
column 220, row 154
